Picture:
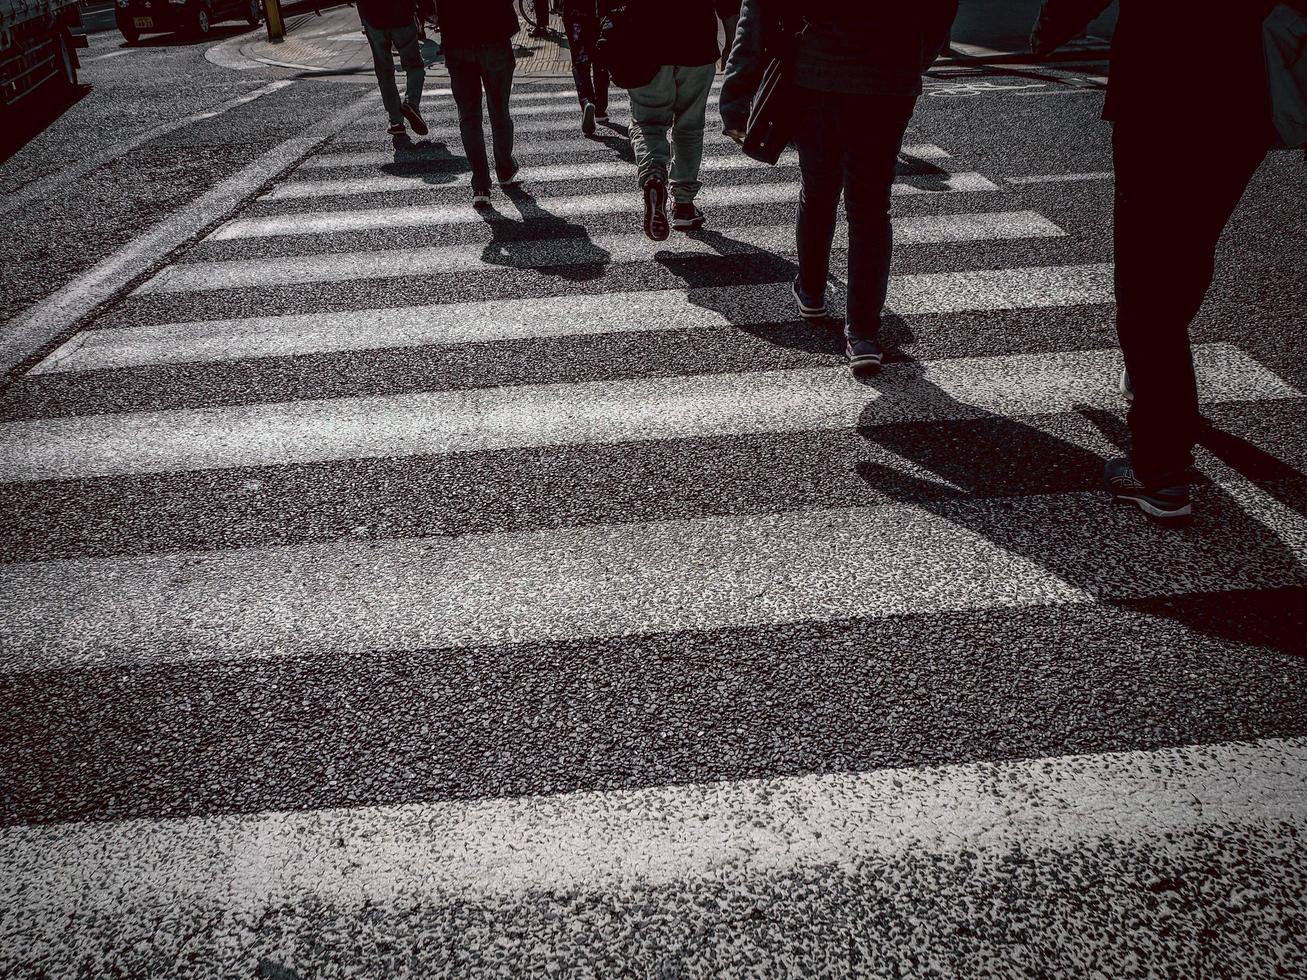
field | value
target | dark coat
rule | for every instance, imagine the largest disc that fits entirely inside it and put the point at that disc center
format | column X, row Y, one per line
column 386, row 14
column 877, row 48
column 1197, row 66
column 686, row 31
column 468, row 23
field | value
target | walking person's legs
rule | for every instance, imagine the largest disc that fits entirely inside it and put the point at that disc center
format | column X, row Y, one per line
column 542, row 18
column 874, row 126
column 820, row 141
column 384, row 66
column 408, row 43
column 692, row 88
column 497, row 63
column 465, row 84
column 652, row 115
column 1165, row 236
column 575, row 23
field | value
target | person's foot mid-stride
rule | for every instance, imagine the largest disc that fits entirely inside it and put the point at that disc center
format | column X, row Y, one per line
column 667, row 111
column 387, row 23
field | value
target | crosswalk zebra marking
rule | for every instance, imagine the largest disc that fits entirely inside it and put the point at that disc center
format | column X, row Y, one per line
column 904, row 185
column 522, row 416
column 343, row 158
column 554, row 316
column 592, row 250
column 1179, row 804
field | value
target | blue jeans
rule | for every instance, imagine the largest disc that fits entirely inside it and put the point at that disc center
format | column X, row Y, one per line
column 488, row 68
column 849, row 144
column 405, row 40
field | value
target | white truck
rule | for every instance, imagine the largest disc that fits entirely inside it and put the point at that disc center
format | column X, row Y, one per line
column 38, row 49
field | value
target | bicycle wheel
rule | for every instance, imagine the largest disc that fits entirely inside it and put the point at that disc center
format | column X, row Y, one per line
column 527, row 9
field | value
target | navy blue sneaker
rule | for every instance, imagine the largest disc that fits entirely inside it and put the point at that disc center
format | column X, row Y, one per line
column 1168, row 499
column 809, row 308
column 656, row 225
column 864, row 355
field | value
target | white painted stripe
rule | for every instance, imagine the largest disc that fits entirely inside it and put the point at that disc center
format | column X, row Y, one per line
column 371, row 158
column 553, row 316
column 581, row 583
column 527, row 416
column 462, row 213
column 1061, row 178
column 30, row 331
column 659, row 856
column 421, row 183
column 545, row 253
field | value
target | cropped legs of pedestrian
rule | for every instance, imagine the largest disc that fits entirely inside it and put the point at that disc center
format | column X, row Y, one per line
column 406, row 41
column 1166, row 232
column 542, row 19
column 581, row 20
column 488, row 69
column 849, row 144
column 674, row 101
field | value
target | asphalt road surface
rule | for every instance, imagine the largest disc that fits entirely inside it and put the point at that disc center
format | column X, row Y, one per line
column 393, row 590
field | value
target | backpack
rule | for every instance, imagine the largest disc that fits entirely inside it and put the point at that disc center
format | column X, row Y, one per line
column 624, row 26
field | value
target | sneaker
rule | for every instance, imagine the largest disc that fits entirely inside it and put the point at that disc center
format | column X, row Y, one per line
column 396, row 129
column 513, row 181
column 601, row 115
column 480, row 199
column 588, row 119
column 1127, row 389
column 864, row 355
column 1169, row 499
column 414, row 118
column 808, row 309
column 655, row 209
column 686, row 217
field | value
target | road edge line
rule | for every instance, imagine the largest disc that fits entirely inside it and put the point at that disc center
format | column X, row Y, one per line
column 58, row 315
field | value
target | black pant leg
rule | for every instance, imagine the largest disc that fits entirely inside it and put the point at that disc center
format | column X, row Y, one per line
column 1166, row 229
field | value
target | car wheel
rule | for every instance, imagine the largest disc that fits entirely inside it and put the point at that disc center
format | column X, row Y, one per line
column 254, row 14
column 67, row 66
column 202, row 23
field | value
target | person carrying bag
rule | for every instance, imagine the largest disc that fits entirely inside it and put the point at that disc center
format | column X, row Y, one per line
column 840, row 80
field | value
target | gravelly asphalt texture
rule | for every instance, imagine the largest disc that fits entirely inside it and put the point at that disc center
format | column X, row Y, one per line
column 554, row 707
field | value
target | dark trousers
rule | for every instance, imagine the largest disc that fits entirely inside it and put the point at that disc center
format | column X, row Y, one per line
column 1167, row 225
column 849, row 144
column 581, row 20
column 542, row 13
column 488, row 68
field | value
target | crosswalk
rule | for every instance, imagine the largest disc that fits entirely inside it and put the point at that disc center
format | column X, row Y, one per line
column 459, row 593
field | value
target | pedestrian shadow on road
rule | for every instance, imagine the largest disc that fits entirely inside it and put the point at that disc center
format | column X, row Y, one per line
column 1028, row 492
column 522, row 244
column 428, row 162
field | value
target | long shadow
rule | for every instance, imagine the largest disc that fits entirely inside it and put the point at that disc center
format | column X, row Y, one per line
column 30, row 118
column 1034, row 494
column 510, row 247
column 428, row 162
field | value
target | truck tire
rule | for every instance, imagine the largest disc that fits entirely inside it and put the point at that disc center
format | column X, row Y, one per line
column 67, row 64
column 253, row 15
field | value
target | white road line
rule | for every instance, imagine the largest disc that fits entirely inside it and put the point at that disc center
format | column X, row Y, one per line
column 449, row 183
column 1060, row 178
column 111, row 54
column 580, row 583
column 530, row 416
column 30, row 331
column 84, row 165
column 617, row 202
column 554, row 316
column 545, row 253
column 1231, row 809
column 372, row 158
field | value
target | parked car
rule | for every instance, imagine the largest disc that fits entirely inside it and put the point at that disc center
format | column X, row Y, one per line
column 194, row 17
column 38, row 42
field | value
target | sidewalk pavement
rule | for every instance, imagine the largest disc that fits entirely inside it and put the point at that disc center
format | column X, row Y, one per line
column 333, row 42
